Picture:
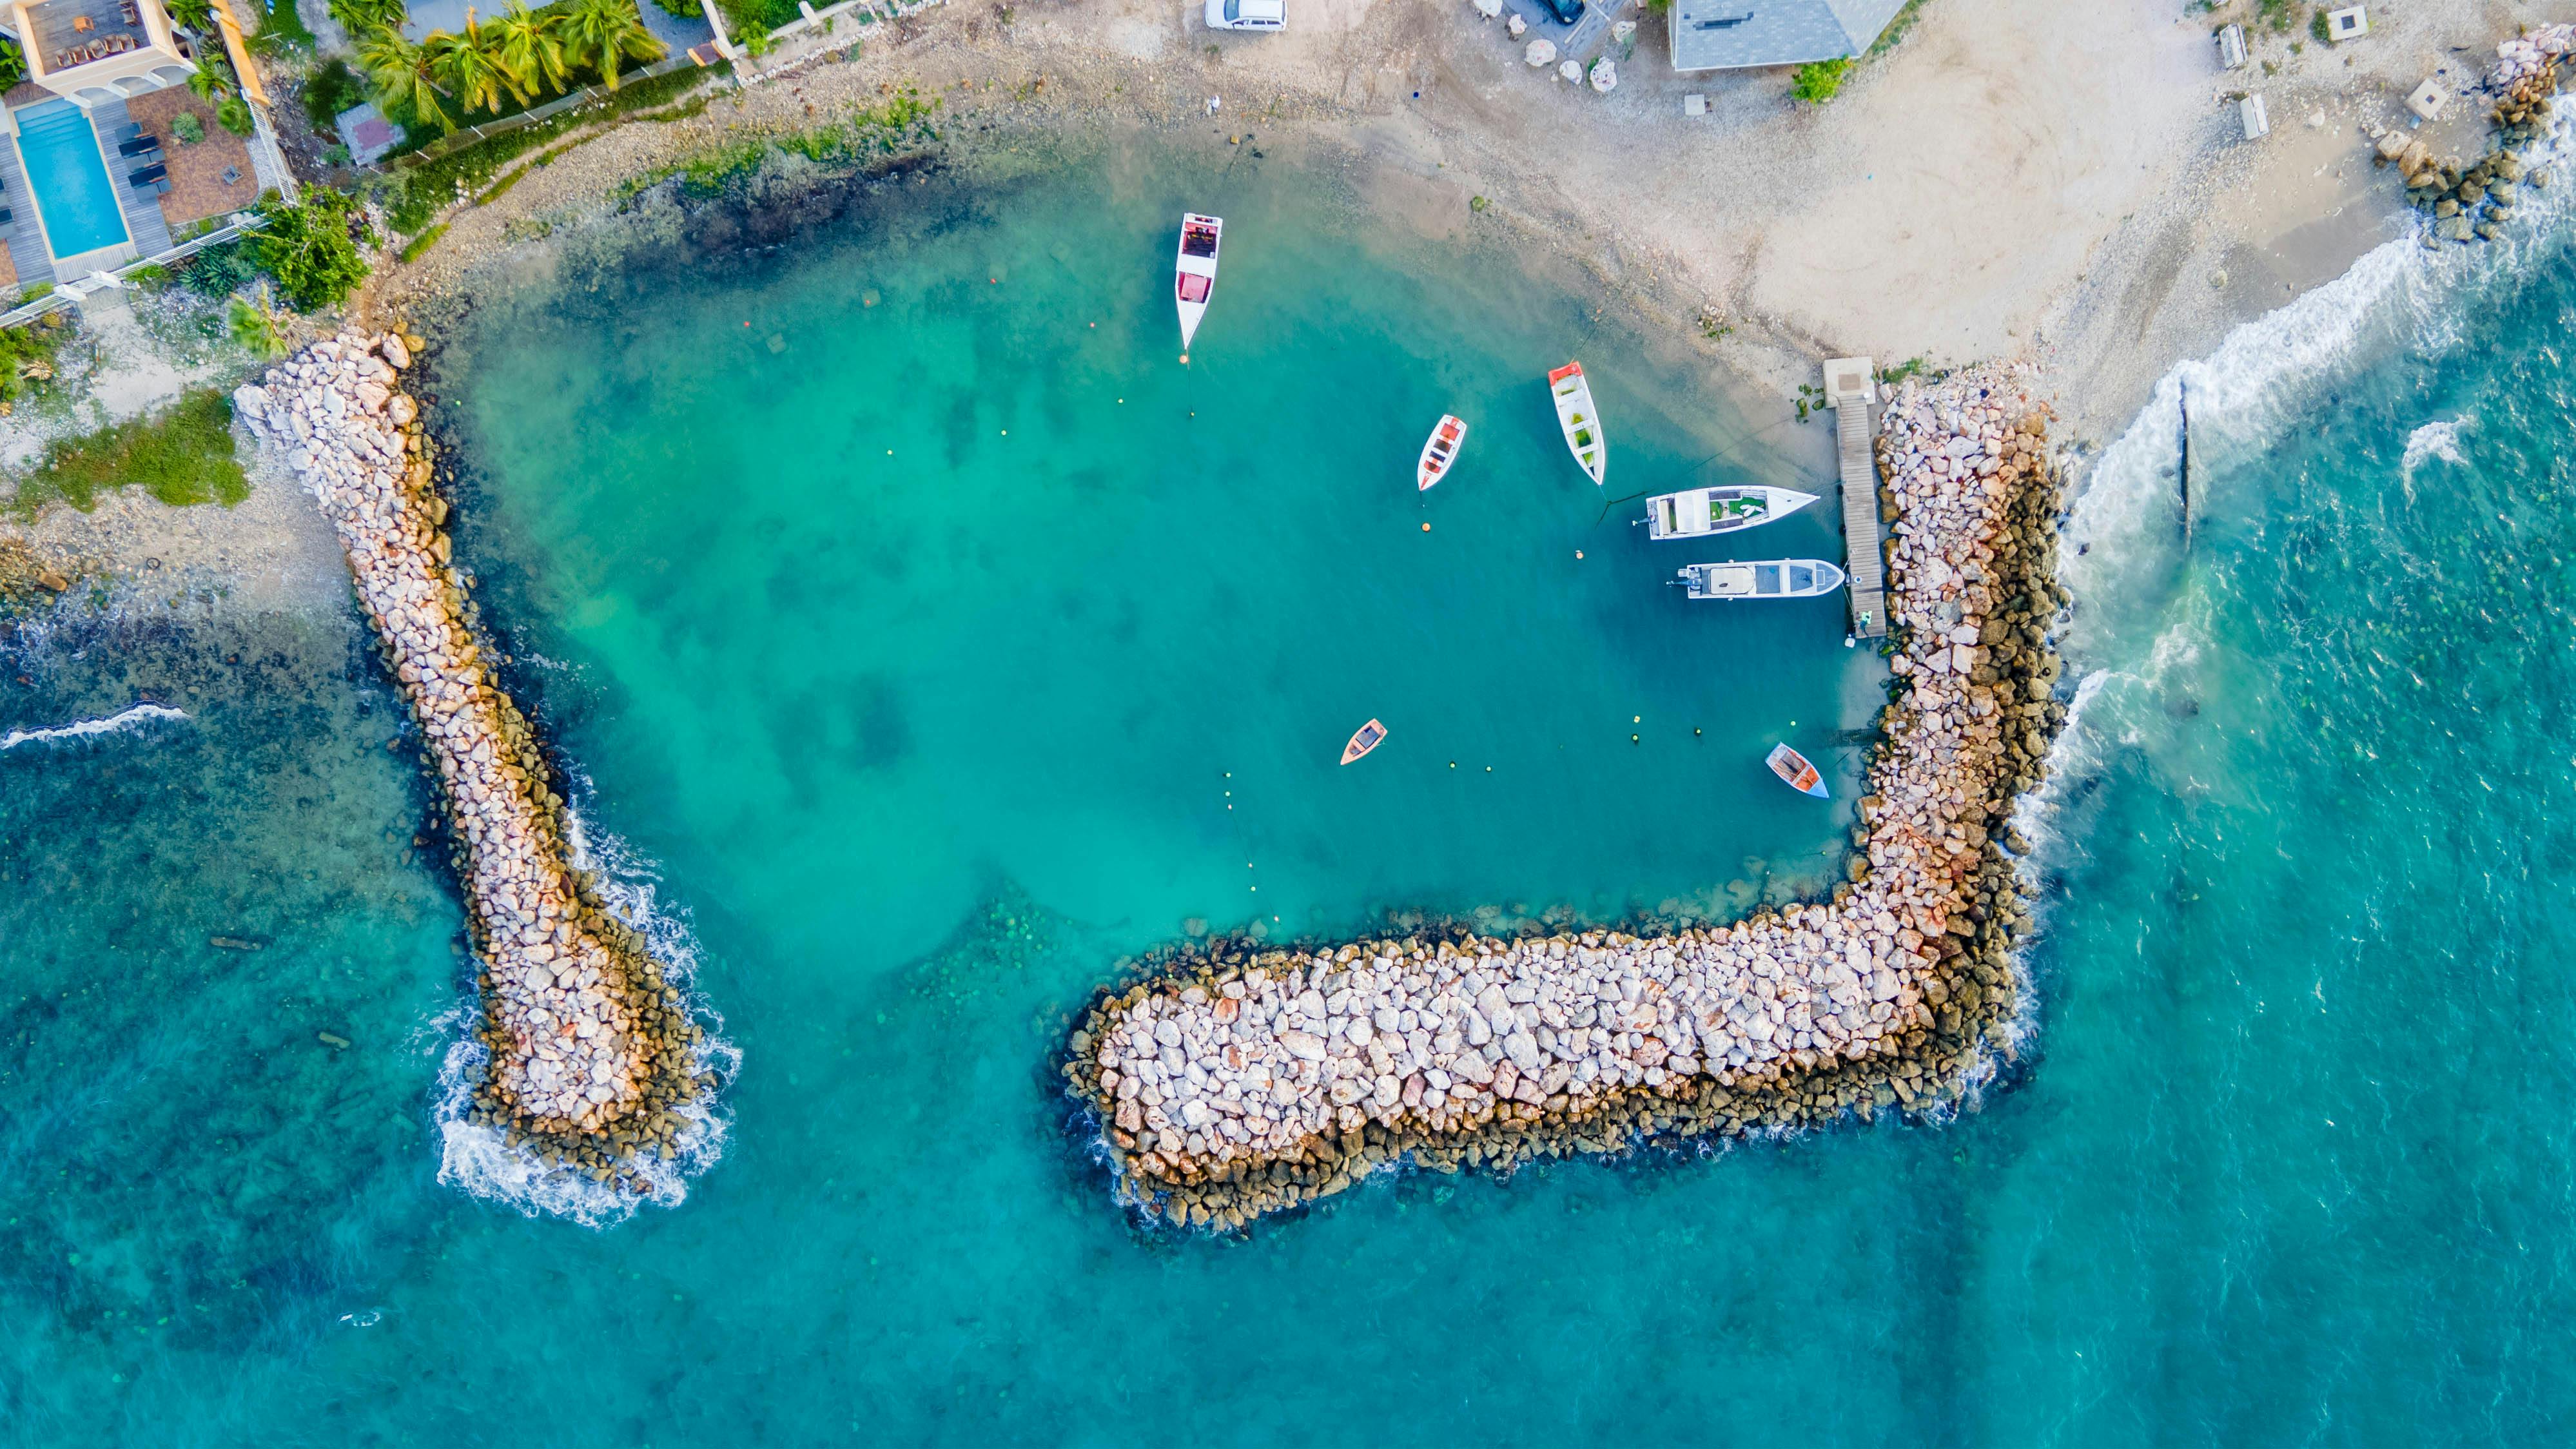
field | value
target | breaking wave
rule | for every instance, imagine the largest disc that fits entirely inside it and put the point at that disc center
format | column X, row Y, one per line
column 118, row 723
column 480, row 1159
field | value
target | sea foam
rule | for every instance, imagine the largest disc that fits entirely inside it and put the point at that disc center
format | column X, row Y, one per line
column 479, row 1159
column 118, row 723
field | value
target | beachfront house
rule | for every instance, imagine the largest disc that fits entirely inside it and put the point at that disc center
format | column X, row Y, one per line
column 106, row 156
column 90, row 51
column 1732, row 34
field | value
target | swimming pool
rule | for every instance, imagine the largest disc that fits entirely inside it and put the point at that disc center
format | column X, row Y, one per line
column 71, row 182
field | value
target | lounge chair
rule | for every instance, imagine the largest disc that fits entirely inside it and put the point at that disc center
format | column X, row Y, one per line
column 126, row 132
column 137, row 145
column 147, row 175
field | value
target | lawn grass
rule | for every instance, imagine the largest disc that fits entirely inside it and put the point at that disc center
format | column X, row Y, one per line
column 180, row 455
column 280, row 27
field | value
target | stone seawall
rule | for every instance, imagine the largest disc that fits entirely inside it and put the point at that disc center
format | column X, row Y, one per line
column 1241, row 1080
column 593, row 1060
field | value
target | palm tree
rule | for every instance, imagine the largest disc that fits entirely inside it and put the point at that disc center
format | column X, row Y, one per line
column 399, row 71
column 259, row 327
column 525, row 46
column 194, row 15
column 465, row 68
column 605, row 34
column 212, row 80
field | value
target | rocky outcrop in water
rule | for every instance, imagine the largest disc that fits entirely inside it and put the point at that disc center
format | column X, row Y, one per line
column 1243, row 1080
column 2474, row 200
column 592, row 1054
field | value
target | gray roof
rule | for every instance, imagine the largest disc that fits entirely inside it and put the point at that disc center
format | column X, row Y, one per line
column 1722, row 34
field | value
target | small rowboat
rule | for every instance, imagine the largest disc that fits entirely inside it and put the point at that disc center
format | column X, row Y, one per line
column 1365, row 739
column 1582, row 424
column 1779, row 578
column 1439, row 452
column 1698, row 512
column 1793, row 770
column 1194, row 271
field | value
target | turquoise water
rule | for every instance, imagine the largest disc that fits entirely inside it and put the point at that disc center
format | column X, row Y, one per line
column 69, row 177
column 915, row 753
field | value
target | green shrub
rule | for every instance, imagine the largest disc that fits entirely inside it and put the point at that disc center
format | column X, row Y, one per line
column 187, row 128
column 218, row 271
column 1895, row 29
column 311, row 249
column 233, row 114
column 182, row 455
column 331, row 89
column 2317, row 27
column 1816, row 83
column 27, row 359
column 13, row 65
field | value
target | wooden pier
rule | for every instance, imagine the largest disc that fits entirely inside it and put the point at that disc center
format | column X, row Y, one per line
column 1851, row 390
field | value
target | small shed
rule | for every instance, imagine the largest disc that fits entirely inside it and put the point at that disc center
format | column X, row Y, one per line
column 2427, row 100
column 2348, row 23
column 2257, row 120
column 2231, row 47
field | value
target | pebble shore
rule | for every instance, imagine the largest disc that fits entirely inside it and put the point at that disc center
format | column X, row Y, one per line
column 592, row 1055
column 1241, row 1079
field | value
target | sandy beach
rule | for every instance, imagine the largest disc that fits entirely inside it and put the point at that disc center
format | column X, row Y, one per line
column 2001, row 183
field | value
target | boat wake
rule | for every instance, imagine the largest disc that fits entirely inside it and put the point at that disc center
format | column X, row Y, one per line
column 482, row 1161
column 118, row 723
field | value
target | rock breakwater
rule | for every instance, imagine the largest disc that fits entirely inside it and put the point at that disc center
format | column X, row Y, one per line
column 1239, row 1079
column 2474, row 200
column 593, row 1069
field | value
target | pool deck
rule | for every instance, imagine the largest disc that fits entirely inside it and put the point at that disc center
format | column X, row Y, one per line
column 196, row 172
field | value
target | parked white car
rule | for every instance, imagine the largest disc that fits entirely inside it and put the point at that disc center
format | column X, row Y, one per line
column 1247, row 14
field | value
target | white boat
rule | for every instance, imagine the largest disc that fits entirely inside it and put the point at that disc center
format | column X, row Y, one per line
column 1439, row 451
column 1581, row 422
column 1194, row 272
column 1779, row 578
column 1698, row 512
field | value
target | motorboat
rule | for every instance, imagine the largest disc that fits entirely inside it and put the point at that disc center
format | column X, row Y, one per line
column 1439, row 451
column 1579, row 419
column 1699, row 512
column 1795, row 772
column 1194, row 271
column 1364, row 739
column 1779, row 578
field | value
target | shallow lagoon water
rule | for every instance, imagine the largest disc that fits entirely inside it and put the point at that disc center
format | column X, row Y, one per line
column 918, row 754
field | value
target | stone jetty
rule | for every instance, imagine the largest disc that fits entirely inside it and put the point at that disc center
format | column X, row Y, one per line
column 592, row 1056
column 1242, row 1079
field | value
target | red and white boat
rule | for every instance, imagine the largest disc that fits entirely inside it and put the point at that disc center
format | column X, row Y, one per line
column 1793, row 770
column 1364, row 739
column 1439, row 452
column 1194, row 277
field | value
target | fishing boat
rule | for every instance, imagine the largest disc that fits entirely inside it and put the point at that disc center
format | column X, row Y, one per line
column 1366, row 738
column 1194, row 272
column 1438, row 452
column 1582, row 424
column 1793, row 770
column 1698, row 512
column 1779, row 578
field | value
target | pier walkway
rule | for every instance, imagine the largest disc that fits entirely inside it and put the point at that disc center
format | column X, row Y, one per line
column 1850, row 390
